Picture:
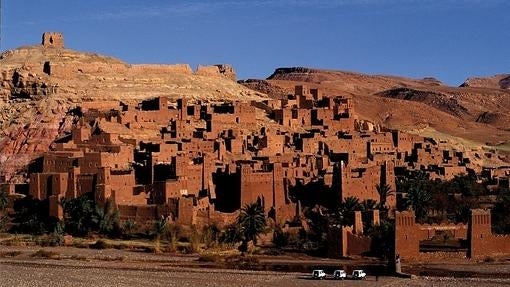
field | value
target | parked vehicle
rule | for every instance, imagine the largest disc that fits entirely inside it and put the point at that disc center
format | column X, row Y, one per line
column 359, row 274
column 339, row 274
column 318, row 274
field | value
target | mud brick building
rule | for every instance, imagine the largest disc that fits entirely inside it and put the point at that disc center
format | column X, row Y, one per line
column 199, row 163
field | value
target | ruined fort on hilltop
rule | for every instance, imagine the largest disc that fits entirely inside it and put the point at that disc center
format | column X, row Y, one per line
column 194, row 147
column 42, row 84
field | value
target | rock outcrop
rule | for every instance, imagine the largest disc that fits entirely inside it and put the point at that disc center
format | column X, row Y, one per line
column 265, row 87
column 495, row 82
column 221, row 70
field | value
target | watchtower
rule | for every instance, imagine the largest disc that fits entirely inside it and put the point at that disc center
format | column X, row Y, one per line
column 479, row 232
column 407, row 241
column 53, row 40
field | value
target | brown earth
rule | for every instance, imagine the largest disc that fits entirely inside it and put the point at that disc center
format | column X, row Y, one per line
column 64, row 266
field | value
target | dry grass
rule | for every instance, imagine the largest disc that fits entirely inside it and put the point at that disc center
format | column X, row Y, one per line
column 41, row 253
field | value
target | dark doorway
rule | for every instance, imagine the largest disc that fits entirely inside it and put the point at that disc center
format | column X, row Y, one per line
column 47, row 68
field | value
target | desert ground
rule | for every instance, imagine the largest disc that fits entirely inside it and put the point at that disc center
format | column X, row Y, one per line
column 64, row 266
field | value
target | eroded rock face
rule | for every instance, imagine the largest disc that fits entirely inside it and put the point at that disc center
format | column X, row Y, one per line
column 27, row 85
column 28, row 130
column 505, row 83
column 227, row 71
column 221, row 70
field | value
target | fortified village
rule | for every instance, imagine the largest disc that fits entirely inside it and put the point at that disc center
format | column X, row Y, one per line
column 205, row 160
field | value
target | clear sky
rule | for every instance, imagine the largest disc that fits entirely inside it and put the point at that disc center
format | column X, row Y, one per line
column 446, row 39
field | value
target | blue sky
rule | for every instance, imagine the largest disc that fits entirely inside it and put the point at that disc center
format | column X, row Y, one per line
column 447, row 39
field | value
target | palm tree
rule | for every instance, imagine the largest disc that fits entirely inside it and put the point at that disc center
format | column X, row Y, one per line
column 80, row 214
column 418, row 198
column 351, row 203
column 465, row 184
column 106, row 218
column 368, row 204
column 419, row 175
column 347, row 208
column 384, row 191
column 252, row 222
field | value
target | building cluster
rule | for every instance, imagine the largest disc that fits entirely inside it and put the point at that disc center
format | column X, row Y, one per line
column 200, row 163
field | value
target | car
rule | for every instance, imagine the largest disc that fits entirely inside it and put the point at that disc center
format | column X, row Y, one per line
column 318, row 274
column 359, row 274
column 339, row 274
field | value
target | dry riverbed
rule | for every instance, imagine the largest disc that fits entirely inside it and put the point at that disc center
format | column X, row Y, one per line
column 68, row 266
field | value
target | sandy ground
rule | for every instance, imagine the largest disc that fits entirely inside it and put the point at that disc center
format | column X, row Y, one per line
column 73, row 273
column 86, row 267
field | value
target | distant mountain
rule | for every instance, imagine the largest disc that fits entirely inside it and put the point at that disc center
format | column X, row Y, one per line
column 495, row 82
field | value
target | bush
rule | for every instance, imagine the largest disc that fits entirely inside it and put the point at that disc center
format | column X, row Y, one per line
column 280, row 238
column 173, row 232
column 100, row 244
column 52, row 239
column 243, row 262
column 194, row 241
column 209, row 258
column 211, row 235
column 41, row 253
column 31, row 216
column 128, row 227
column 231, row 235
column 4, row 220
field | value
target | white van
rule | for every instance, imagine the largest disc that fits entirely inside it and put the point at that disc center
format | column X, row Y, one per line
column 318, row 274
column 340, row 274
column 359, row 274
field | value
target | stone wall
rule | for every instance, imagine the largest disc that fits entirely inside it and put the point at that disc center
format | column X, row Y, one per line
column 482, row 242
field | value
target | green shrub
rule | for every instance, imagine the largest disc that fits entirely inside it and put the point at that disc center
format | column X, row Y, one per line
column 280, row 238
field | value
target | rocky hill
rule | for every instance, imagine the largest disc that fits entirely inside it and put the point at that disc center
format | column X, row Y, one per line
column 42, row 84
column 471, row 116
column 494, row 82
